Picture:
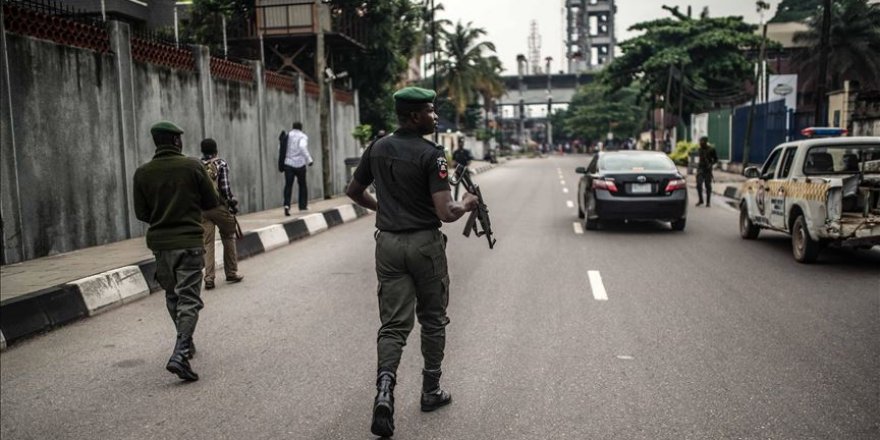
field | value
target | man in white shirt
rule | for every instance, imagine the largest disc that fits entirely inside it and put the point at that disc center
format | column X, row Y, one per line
column 295, row 157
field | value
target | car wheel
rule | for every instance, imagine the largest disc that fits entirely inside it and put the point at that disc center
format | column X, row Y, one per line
column 747, row 229
column 590, row 224
column 580, row 210
column 678, row 225
column 804, row 248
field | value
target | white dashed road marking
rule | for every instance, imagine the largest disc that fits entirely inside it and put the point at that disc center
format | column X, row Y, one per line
column 565, row 190
column 597, row 286
column 578, row 229
column 569, row 203
column 562, row 182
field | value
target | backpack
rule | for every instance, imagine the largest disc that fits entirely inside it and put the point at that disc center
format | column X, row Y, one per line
column 212, row 167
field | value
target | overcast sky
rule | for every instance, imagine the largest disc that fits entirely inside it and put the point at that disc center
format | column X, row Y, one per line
column 507, row 21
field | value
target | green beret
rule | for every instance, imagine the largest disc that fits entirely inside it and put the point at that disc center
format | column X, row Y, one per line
column 415, row 95
column 165, row 126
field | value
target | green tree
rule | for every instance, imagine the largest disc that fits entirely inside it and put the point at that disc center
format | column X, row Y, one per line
column 208, row 16
column 393, row 29
column 854, row 43
column 795, row 10
column 707, row 58
column 597, row 109
column 459, row 70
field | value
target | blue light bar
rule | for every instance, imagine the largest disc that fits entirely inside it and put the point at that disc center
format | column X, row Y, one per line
column 823, row 132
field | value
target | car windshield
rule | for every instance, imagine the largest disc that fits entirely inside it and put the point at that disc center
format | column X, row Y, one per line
column 843, row 159
column 636, row 162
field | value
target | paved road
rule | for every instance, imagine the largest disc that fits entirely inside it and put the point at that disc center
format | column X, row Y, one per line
column 702, row 335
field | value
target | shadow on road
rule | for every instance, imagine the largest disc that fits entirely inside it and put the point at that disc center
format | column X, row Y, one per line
column 780, row 245
column 634, row 227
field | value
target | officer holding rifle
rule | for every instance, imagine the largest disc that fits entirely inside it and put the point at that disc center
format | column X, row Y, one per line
column 412, row 187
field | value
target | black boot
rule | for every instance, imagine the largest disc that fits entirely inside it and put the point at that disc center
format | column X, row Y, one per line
column 189, row 348
column 432, row 396
column 383, row 406
column 178, row 363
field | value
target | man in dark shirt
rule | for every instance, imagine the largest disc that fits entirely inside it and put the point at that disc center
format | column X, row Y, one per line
column 706, row 159
column 412, row 188
column 170, row 193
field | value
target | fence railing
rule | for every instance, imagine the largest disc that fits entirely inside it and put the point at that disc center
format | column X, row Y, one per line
column 54, row 22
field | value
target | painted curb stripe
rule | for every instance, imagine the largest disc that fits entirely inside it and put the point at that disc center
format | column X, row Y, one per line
column 332, row 218
column 106, row 290
column 34, row 313
column 249, row 245
column 316, row 223
column 347, row 213
column 272, row 237
column 296, row 230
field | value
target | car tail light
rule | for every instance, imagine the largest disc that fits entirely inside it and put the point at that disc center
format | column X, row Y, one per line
column 676, row 184
column 605, row 184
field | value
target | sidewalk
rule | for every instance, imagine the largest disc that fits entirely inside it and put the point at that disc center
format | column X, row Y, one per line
column 41, row 294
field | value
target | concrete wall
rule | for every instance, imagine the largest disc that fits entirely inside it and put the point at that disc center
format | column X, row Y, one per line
column 75, row 126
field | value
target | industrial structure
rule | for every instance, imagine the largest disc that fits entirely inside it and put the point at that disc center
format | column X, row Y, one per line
column 590, row 38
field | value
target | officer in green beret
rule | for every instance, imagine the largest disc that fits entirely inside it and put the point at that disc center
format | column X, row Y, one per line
column 170, row 193
column 410, row 174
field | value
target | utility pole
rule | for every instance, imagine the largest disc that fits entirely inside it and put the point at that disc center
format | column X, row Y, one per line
column 549, row 103
column 434, row 56
column 521, row 64
column 762, row 6
column 323, row 97
column 819, row 118
column 666, row 105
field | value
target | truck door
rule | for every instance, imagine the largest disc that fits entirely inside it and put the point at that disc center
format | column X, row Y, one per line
column 766, row 185
column 778, row 190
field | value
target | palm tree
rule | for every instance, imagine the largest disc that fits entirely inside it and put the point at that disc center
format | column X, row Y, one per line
column 854, row 44
column 430, row 22
column 460, row 67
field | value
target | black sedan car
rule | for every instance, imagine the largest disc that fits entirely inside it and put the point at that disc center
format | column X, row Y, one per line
column 632, row 185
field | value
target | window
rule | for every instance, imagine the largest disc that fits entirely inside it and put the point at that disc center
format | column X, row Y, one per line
column 842, row 159
column 636, row 162
column 769, row 170
column 787, row 160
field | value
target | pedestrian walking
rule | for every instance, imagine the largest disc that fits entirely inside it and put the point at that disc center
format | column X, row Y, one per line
column 170, row 193
column 222, row 217
column 411, row 178
column 706, row 160
column 461, row 156
column 294, row 157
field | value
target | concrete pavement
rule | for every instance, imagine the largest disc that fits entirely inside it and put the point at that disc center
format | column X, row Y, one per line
column 45, row 293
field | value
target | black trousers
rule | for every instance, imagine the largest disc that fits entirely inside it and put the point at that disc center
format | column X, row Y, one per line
column 300, row 174
column 704, row 180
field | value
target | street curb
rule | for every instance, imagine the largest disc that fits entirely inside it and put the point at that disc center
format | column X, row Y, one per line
column 38, row 312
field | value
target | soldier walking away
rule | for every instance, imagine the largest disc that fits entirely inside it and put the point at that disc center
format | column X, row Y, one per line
column 220, row 217
column 170, row 193
column 461, row 156
column 412, row 188
column 293, row 157
column 706, row 159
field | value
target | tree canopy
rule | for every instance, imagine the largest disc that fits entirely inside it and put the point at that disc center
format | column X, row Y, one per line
column 707, row 58
column 596, row 109
column 854, row 43
column 795, row 10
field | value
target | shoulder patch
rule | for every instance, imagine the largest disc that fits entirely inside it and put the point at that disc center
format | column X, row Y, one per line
column 442, row 169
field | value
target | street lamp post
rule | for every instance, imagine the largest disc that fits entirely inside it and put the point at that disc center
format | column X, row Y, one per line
column 520, row 67
column 549, row 103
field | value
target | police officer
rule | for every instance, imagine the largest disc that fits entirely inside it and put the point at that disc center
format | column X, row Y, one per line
column 410, row 174
column 170, row 193
column 707, row 157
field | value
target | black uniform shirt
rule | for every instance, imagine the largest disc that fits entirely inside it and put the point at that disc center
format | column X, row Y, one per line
column 407, row 170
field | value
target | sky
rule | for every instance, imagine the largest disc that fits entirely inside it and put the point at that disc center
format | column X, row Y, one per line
column 508, row 21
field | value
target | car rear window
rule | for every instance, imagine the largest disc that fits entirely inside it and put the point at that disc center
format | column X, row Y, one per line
column 842, row 159
column 636, row 162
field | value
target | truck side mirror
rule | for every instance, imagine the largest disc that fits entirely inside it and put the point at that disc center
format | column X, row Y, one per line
column 580, row 170
column 751, row 172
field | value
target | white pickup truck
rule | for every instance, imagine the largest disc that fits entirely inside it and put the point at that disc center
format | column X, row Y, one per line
column 820, row 191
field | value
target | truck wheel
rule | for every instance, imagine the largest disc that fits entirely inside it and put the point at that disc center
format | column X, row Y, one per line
column 747, row 229
column 804, row 248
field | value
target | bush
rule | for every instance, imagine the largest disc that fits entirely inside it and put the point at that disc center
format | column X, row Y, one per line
column 681, row 152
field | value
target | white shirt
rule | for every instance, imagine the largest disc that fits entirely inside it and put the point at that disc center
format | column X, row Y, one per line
column 297, row 149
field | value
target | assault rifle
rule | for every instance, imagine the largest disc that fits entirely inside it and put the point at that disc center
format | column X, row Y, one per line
column 481, row 213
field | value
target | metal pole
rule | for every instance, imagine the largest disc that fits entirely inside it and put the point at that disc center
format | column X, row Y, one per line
column 434, row 56
column 225, row 46
column 819, row 118
column 748, row 138
column 176, row 28
column 104, row 12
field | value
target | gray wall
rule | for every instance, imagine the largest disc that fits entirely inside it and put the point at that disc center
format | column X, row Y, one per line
column 75, row 126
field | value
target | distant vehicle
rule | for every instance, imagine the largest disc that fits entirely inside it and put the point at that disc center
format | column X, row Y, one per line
column 632, row 185
column 820, row 191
